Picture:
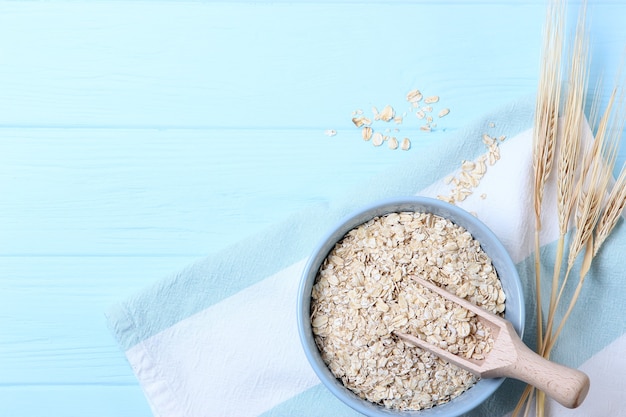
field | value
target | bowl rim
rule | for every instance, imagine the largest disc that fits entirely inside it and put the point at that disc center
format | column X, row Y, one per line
column 490, row 243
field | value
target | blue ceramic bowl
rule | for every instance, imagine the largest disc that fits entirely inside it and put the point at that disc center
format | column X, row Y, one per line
column 490, row 244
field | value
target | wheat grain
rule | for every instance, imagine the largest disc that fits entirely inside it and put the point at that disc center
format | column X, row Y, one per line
column 616, row 200
column 614, row 208
column 569, row 151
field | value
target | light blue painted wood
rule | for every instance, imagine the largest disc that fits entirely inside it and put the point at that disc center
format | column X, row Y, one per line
column 100, row 400
column 136, row 137
column 56, row 355
column 256, row 65
column 170, row 192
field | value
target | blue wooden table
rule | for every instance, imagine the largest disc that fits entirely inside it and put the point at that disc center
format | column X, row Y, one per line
column 137, row 137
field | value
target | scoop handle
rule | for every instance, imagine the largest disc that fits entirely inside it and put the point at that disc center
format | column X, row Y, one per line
column 565, row 385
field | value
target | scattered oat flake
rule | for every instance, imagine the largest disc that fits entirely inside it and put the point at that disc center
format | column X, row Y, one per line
column 494, row 155
column 375, row 113
column 447, row 199
column 393, row 143
column 468, row 165
column 480, row 168
column 377, row 139
column 361, row 120
column 366, row 133
column 414, row 96
column 488, row 140
column 330, row 132
column 483, row 196
column 387, row 113
column 502, row 138
column 460, row 194
column 465, row 178
column 492, row 124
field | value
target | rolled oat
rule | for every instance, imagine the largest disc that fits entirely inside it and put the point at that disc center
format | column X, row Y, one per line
column 364, row 292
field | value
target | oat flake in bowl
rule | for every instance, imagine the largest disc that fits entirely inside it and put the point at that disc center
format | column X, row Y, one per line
column 357, row 290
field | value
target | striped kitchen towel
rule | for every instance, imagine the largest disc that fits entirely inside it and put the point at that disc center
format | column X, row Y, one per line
column 219, row 338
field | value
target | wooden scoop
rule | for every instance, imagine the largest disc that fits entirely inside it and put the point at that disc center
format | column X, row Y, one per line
column 509, row 357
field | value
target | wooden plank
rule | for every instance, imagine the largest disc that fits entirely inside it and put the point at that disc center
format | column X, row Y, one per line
column 182, row 64
column 52, row 308
column 73, row 401
column 56, row 354
column 171, row 192
column 215, row 64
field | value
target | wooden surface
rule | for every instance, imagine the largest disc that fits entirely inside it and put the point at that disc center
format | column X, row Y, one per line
column 137, row 137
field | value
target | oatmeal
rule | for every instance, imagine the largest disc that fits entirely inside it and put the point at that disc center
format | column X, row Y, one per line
column 364, row 292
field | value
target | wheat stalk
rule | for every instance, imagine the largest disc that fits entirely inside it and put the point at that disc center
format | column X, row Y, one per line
column 592, row 185
column 569, row 148
column 586, row 195
column 589, row 209
column 545, row 133
column 545, row 127
column 567, row 162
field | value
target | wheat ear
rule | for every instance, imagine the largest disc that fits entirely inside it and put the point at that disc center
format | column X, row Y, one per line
column 569, row 149
column 545, row 128
column 589, row 209
column 614, row 208
column 617, row 198
column 597, row 173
